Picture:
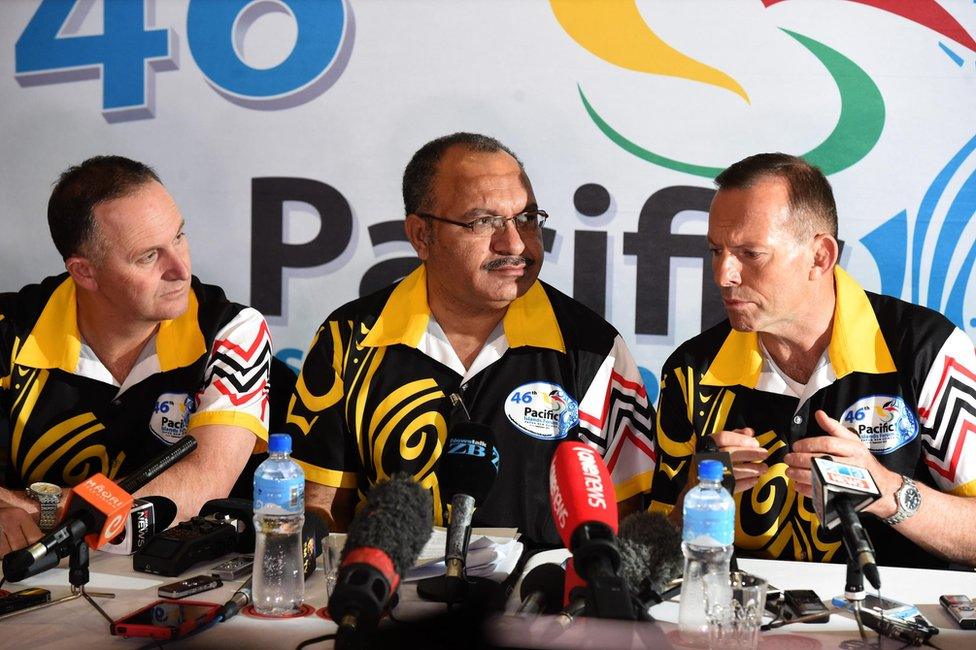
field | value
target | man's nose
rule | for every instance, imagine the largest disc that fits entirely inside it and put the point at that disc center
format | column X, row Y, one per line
column 178, row 265
column 725, row 269
column 508, row 240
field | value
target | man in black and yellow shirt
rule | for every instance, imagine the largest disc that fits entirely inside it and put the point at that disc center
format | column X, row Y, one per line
column 807, row 364
column 103, row 367
column 529, row 362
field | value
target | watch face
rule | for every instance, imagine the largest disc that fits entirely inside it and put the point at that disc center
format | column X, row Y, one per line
column 911, row 499
column 46, row 489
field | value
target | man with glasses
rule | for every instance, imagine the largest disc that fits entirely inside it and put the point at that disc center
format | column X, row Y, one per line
column 470, row 334
column 810, row 364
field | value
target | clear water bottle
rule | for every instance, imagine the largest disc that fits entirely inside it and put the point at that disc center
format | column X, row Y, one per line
column 278, row 586
column 707, row 542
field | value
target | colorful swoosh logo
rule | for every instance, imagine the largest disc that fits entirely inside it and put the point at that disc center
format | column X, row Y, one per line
column 616, row 32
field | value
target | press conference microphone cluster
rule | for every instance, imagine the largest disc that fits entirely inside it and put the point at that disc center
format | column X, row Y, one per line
column 839, row 492
column 384, row 540
column 96, row 512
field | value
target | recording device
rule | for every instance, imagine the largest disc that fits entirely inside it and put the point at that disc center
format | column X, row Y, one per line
column 23, row 599
column 189, row 586
column 650, row 555
column 96, row 512
column 884, row 607
column 241, row 510
column 147, row 517
column 961, row 610
column 584, row 508
column 165, row 619
column 466, row 473
column 384, row 540
column 806, row 603
column 315, row 534
column 839, row 491
column 198, row 539
column 241, row 599
column 915, row 631
column 234, row 568
column 541, row 591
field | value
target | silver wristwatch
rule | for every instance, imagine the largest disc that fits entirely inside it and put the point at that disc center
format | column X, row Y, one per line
column 909, row 500
column 47, row 496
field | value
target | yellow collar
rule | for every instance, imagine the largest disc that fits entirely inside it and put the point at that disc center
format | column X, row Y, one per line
column 55, row 341
column 529, row 321
column 856, row 342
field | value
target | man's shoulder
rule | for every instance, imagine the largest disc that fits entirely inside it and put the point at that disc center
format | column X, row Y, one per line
column 700, row 350
column 577, row 319
column 909, row 328
column 22, row 308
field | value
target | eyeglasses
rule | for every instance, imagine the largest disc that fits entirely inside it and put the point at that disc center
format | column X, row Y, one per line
column 528, row 222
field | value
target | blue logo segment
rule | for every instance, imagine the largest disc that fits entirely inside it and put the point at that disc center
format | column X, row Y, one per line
column 125, row 55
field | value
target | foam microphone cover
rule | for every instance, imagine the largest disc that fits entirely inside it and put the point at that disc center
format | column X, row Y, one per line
column 650, row 552
column 580, row 490
column 397, row 519
column 468, row 463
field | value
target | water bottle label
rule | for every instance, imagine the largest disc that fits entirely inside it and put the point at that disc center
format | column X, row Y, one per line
column 287, row 496
column 709, row 527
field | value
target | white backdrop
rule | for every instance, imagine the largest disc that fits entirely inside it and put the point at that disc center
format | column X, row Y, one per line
column 215, row 95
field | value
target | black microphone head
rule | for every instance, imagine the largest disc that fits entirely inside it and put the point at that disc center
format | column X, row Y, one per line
column 650, row 552
column 548, row 579
column 164, row 512
column 397, row 519
column 468, row 462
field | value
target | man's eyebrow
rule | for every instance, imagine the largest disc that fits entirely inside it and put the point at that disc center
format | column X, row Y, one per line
column 532, row 206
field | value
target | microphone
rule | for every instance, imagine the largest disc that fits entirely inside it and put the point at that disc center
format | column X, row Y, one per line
column 542, row 590
column 466, row 473
column 384, row 540
column 96, row 511
column 839, row 491
column 574, row 594
column 650, row 554
column 237, row 602
column 148, row 516
column 584, row 508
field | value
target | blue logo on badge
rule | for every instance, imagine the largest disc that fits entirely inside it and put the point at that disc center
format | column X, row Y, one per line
column 883, row 422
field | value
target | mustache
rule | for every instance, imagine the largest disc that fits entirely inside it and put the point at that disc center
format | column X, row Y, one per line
column 511, row 260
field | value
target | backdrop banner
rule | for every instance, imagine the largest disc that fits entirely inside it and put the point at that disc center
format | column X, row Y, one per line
column 282, row 128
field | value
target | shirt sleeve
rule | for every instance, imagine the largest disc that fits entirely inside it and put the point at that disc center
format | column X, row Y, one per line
column 947, row 413
column 675, row 441
column 616, row 418
column 322, row 443
column 235, row 386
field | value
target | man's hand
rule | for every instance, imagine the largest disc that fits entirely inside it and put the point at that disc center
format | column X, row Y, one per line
column 844, row 447
column 747, row 454
column 17, row 530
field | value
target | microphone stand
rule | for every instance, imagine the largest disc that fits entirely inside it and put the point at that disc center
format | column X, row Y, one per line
column 854, row 591
column 78, row 577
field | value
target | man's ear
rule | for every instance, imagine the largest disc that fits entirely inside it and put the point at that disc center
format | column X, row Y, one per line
column 419, row 233
column 82, row 271
column 826, row 252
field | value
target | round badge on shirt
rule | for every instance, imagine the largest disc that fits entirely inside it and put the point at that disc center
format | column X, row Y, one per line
column 542, row 410
column 883, row 422
column 170, row 416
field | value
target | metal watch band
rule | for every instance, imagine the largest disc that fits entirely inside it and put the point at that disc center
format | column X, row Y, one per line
column 903, row 513
column 49, row 513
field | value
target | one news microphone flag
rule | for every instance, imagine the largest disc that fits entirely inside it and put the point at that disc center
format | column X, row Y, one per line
column 839, row 492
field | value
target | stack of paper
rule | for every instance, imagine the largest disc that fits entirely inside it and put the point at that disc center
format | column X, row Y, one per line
column 492, row 553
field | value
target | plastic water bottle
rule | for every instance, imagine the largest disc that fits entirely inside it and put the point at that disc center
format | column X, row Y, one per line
column 278, row 585
column 707, row 542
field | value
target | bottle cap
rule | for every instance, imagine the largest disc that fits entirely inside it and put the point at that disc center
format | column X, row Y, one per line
column 280, row 443
column 710, row 470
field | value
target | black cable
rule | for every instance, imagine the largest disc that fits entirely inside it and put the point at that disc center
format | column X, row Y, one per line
column 318, row 639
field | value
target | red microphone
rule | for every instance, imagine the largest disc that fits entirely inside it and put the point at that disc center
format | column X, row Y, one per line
column 584, row 508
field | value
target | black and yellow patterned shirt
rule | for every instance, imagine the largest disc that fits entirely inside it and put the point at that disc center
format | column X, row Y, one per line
column 371, row 399
column 65, row 416
column 900, row 376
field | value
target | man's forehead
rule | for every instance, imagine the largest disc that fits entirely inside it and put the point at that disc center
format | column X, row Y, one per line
column 466, row 173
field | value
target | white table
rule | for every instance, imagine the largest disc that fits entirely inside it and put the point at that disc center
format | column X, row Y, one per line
column 76, row 625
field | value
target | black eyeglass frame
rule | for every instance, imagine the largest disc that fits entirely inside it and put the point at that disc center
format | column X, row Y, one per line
column 540, row 215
